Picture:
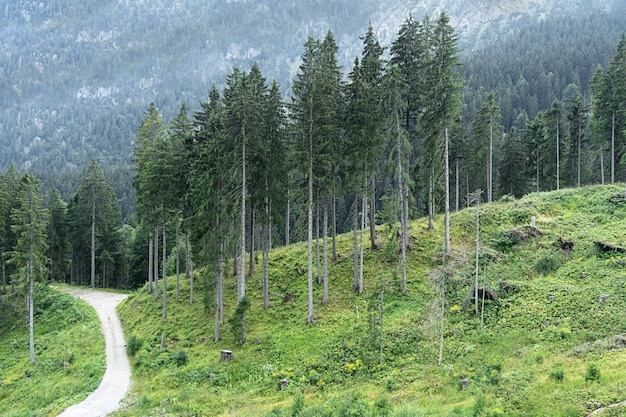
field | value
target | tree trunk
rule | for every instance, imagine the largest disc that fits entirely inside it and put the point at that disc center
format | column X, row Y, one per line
column 150, row 264
column 602, row 165
column 31, row 295
column 325, row 237
column 252, row 241
column 93, row 237
column 241, row 274
column 155, row 274
column 334, row 226
column 477, row 249
column 266, row 239
column 363, row 217
column 164, row 270
column 490, row 177
column 287, row 225
column 558, row 156
column 317, row 241
column 372, row 213
column 579, row 157
column 457, row 205
column 431, row 210
column 188, row 270
column 177, row 261
column 355, row 228
column 310, row 232
column 403, row 217
column 218, row 292
column 613, row 147
column 446, row 178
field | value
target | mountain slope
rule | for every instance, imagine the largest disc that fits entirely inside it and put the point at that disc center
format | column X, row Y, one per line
column 76, row 78
column 552, row 338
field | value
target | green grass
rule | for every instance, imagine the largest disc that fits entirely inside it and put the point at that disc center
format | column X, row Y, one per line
column 540, row 336
column 69, row 351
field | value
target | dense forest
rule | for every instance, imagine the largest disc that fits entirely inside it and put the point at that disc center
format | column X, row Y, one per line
column 78, row 77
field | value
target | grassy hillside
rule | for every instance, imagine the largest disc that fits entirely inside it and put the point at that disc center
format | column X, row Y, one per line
column 548, row 344
column 69, row 349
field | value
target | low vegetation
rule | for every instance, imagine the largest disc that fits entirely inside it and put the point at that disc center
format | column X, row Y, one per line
column 551, row 342
column 69, row 348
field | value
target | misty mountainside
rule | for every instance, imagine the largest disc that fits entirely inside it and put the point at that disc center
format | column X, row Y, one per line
column 77, row 77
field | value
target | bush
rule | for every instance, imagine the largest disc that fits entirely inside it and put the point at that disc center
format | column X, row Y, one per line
column 133, row 345
column 180, row 357
column 593, row 373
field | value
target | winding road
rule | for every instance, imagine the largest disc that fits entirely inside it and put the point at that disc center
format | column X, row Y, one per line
column 116, row 381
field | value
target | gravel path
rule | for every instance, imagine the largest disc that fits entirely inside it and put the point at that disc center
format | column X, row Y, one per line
column 116, row 381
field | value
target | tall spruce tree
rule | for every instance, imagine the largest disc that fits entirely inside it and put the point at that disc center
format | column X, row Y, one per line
column 58, row 237
column 486, row 134
column 95, row 218
column 29, row 253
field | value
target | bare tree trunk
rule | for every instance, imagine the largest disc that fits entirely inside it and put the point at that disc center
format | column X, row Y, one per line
column 431, row 204
column 266, row 239
column 325, row 237
column 188, row 267
column 4, row 278
column 578, row 159
column 613, row 147
column 482, row 308
column 317, row 241
column 155, row 274
column 241, row 274
column 558, row 156
column 458, row 186
column 490, row 179
column 372, row 213
column 93, row 237
column 221, row 279
column 334, row 226
column 287, row 225
column 363, row 217
column 446, row 178
column 31, row 295
column 252, row 240
column 477, row 196
column 177, row 261
column 150, row 264
column 310, row 231
column 164, row 270
column 403, row 216
column 602, row 165
column 355, row 228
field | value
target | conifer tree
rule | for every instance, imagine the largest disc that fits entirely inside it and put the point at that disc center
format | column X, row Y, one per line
column 58, row 239
column 29, row 253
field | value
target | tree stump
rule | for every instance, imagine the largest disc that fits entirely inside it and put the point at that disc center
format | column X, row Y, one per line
column 163, row 339
column 283, row 383
column 226, row 355
column 464, row 384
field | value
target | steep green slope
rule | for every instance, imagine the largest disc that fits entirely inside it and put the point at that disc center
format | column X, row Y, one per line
column 69, row 351
column 552, row 339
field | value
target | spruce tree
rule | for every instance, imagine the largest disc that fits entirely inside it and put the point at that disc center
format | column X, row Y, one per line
column 29, row 253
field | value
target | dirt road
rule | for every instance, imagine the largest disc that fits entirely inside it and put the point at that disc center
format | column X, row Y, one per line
column 116, row 381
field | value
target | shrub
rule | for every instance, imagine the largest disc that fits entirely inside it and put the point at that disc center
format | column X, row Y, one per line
column 593, row 373
column 133, row 345
column 180, row 357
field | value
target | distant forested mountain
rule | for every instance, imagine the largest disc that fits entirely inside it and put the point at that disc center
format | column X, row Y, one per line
column 77, row 77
